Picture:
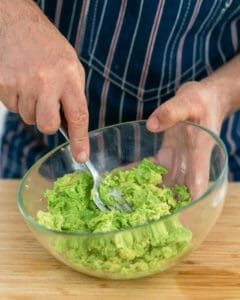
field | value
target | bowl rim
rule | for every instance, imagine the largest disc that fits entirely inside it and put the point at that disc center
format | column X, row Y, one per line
column 210, row 189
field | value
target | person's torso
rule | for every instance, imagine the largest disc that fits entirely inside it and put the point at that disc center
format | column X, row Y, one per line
column 137, row 53
column 149, row 48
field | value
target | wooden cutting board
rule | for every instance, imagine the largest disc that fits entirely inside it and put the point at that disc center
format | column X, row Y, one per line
column 27, row 271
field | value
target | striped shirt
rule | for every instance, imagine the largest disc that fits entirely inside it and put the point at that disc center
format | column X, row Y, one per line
column 136, row 54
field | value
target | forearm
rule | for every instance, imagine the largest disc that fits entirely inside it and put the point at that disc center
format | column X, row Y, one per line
column 39, row 72
column 18, row 20
column 23, row 15
column 17, row 9
column 225, row 83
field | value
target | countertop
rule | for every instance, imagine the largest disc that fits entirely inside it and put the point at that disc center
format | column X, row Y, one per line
column 27, row 271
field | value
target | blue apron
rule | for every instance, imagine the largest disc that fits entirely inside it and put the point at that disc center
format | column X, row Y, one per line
column 136, row 54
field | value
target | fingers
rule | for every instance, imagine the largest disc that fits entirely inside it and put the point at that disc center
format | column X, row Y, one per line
column 43, row 108
column 190, row 103
column 76, row 114
column 11, row 102
column 47, row 113
column 168, row 114
column 185, row 151
column 27, row 108
column 197, row 177
column 8, row 94
column 75, row 109
column 191, row 148
column 199, row 159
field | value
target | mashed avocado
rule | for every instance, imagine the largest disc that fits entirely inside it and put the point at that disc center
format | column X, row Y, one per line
column 130, row 252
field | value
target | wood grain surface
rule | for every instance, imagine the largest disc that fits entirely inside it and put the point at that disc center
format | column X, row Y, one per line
column 27, row 271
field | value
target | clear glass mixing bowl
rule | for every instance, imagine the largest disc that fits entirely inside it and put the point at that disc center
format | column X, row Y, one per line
column 193, row 155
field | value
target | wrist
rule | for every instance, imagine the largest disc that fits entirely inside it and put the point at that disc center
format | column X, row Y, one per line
column 223, row 87
column 218, row 96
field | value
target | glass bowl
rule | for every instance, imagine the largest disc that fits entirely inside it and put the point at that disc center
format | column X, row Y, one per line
column 193, row 155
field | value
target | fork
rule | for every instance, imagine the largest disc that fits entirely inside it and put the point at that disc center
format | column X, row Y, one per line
column 120, row 204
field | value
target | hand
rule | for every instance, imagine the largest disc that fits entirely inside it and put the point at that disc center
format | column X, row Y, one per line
column 39, row 71
column 199, row 103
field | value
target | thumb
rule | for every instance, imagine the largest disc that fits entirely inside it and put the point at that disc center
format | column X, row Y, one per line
column 169, row 113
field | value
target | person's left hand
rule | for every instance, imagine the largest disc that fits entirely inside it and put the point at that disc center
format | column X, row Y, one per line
column 197, row 102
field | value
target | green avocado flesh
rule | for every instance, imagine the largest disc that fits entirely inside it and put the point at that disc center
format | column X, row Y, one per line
column 126, row 249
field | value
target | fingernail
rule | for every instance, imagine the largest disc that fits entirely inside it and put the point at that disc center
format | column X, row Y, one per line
column 153, row 123
column 82, row 156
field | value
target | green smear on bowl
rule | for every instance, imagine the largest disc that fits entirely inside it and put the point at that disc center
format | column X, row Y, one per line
column 126, row 251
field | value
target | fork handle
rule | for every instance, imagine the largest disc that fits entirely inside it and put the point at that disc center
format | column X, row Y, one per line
column 63, row 128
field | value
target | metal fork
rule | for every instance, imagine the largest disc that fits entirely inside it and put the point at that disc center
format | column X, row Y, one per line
column 120, row 204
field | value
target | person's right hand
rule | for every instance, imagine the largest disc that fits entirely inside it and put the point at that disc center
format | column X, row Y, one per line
column 39, row 72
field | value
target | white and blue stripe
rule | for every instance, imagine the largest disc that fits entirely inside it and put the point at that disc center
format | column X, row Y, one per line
column 136, row 54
